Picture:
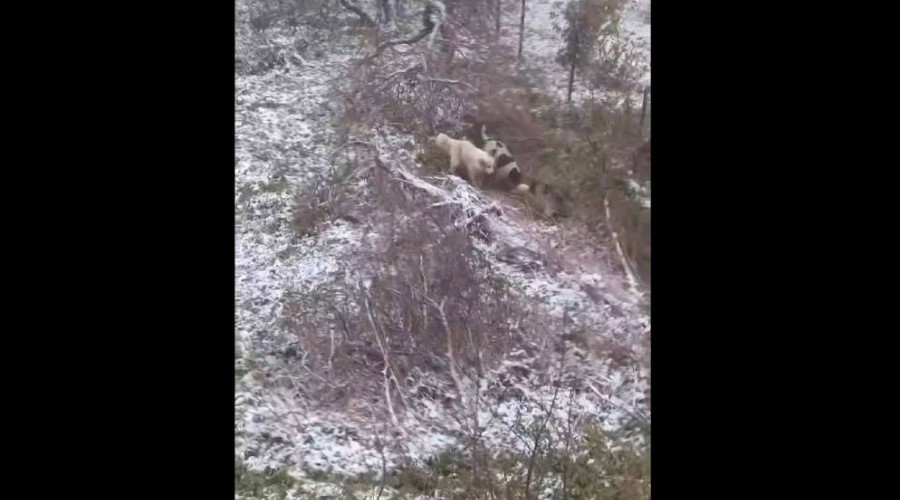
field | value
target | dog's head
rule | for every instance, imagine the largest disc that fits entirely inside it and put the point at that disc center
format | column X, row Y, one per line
column 441, row 140
column 488, row 164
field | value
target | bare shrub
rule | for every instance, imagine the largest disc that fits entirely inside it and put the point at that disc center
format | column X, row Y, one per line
column 327, row 198
column 422, row 301
column 563, row 457
column 618, row 66
column 266, row 14
column 315, row 205
column 428, row 88
column 272, row 33
column 411, row 95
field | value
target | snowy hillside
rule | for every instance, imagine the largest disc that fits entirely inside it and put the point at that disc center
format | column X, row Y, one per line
column 330, row 223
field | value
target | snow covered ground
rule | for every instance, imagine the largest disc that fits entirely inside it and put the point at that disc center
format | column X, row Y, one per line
column 285, row 141
column 542, row 41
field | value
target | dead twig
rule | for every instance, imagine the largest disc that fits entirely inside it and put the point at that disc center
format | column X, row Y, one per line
column 449, row 82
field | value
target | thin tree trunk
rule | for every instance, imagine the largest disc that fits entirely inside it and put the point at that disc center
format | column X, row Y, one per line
column 522, row 29
column 497, row 17
column 571, row 79
column 386, row 12
column 644, row 109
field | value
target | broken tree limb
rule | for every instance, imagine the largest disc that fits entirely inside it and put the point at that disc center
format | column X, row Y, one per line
column 632, row 282
column 449, row 82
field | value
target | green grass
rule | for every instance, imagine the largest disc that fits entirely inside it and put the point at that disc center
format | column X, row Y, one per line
column 251, row 484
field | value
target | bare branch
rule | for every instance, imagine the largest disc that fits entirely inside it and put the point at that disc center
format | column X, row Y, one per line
column 632, row 282
column 454, row 374
column 406, row 71
column 365, row 18
column 450, row 82
column 537, row 442
column 409, row 41
column 384, row 372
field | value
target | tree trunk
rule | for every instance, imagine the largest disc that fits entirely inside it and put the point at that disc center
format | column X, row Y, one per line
column 386, row 16
column 571, row 79
column 497, row 18
column 644, row 109
column 522, row 29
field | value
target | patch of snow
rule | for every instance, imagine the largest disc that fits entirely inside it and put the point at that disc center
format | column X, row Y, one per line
column 641, row 192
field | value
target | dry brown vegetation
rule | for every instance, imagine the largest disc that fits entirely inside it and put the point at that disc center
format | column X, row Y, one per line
column 428, row 271
column 584, row 151
column 431, row 304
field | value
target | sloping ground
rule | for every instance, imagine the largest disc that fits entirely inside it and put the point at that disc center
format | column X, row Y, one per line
column 579, row 272
column 285, row 143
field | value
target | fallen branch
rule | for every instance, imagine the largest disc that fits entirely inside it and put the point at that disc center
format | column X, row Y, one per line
column 464, row 197
column 454, row 374
column 632, row 282
column 385, row 45
column 450, row 82
column 409, row 41
column 384, row 372
column 635, row 413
